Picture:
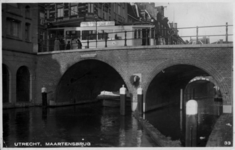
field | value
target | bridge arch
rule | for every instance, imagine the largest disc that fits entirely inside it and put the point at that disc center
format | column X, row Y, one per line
column 85, row 79
column 203, row 67
column 163, row 90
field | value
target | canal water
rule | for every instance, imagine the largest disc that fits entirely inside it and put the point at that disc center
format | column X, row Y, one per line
column 170, row 121
column 86, row 125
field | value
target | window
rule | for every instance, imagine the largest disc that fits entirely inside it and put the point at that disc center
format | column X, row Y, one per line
column 74, row 10
column 116, row 6
column 42, row 18
column 27, row 32
column 66, row 5
column 123, row 5
column 99, row 12
column 60, row 12
column 27, row 12
column 119, row 10
column 135, row 34
column 139, row 33
column 91, row 8
column 66, row 13
column 102, row 34
column 13, row 27
column 89, row 33
column 72, row 34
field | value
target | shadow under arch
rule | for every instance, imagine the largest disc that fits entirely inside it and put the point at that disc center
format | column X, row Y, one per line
column 164, row 88
column 203, row 66
column 163, row 93
column 84, row 80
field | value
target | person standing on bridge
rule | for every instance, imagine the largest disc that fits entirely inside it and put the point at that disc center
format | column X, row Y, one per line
column 79, row 43
column 68, row 45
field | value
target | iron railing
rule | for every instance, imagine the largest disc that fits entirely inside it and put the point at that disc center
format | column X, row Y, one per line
column 153, row 36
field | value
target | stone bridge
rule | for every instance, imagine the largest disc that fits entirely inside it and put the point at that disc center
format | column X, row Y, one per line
column 78, row 76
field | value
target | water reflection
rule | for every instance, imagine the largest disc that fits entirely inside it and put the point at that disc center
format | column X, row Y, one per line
column 122, row 134
column 22, row 120
column 170, row 121
column 102, row 127
column 44, row 114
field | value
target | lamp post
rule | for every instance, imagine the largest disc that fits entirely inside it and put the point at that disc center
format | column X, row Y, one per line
column 122, row 92
column 44, row 96
column 96, row 29
column 152, row 32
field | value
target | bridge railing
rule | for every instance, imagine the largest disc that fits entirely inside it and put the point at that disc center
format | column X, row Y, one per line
column 220, row 34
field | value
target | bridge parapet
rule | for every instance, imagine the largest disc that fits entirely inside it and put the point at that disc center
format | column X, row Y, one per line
column 229, row 45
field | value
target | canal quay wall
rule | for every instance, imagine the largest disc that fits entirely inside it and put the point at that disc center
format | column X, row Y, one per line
column 221, row 135
column 160, row 139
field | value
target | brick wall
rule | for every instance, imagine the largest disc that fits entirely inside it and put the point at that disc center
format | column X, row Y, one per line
column 48, row 68
column 13, row 61
column 149, row 61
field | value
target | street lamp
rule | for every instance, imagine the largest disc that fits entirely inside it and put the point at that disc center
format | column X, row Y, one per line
column 152, row 35
column 96, row 17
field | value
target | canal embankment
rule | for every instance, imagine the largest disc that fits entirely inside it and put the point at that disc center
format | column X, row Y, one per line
column 160, row 139
column 222, row 133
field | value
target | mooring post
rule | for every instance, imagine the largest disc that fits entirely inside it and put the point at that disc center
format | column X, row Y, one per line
column 44, row 96
column 181, row 99
column 140, row 101
column 191, row 123
column 122, row 100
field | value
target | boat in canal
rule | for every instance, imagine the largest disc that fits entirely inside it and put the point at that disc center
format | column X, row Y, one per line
column 112, row 99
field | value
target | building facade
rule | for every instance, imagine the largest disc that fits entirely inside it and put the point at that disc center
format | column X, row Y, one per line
column 25, row 33
column 72, row 14
column 19, row 46
column 42, row 27
column 165, row 32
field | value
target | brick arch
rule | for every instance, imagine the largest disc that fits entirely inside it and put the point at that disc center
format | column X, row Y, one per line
column 23, row 84
column 196, row 63
column 9, row 66
column 6, row 84
column 114, row 65
column 67, row 73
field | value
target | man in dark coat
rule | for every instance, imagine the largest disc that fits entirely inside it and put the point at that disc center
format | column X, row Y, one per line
column 79, row 43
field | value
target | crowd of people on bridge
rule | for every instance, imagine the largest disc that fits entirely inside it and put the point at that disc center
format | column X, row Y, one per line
column 63, row 44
